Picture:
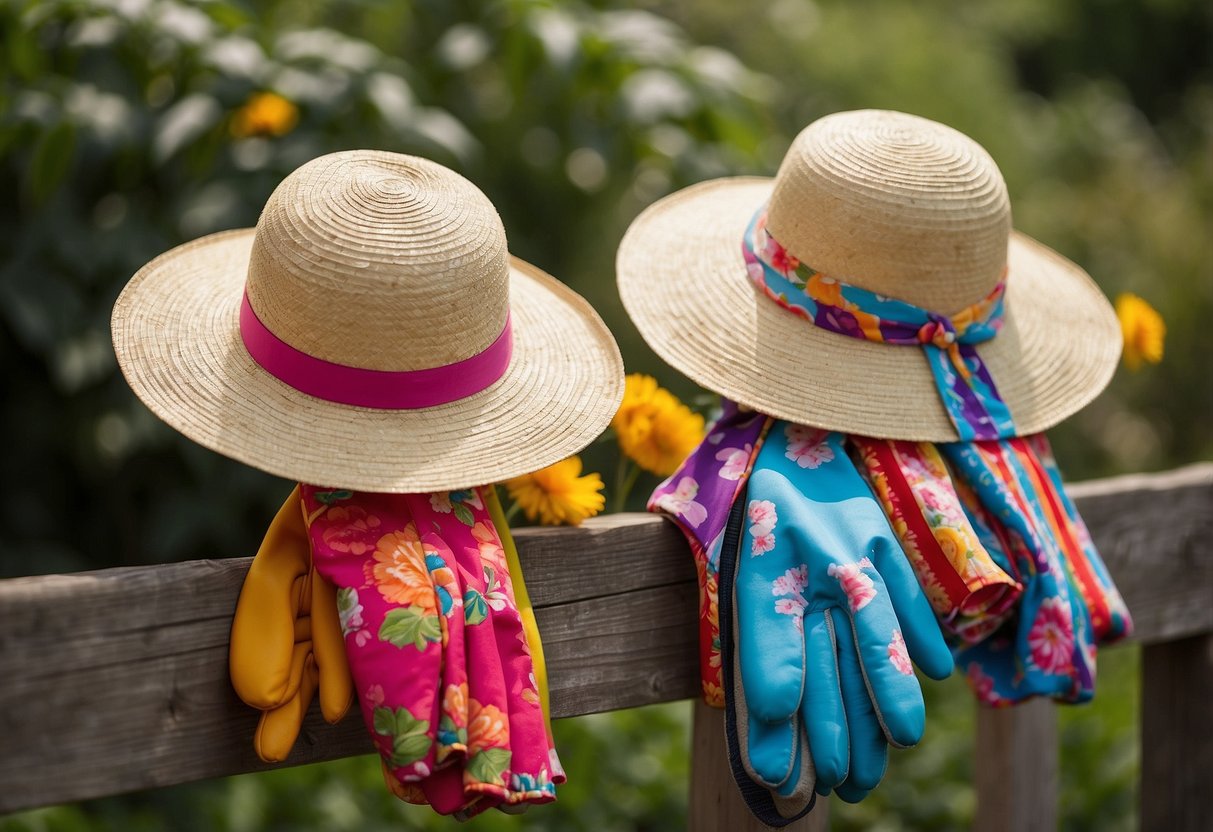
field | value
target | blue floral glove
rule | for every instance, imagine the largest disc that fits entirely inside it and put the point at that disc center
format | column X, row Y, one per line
column 829, row 615
column 794, row 798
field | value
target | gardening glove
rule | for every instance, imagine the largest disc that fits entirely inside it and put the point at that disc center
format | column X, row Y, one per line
column 794, row 798
column 1048, row 649
column 829, row 616
column 697, row 497
column 971, row 595
column 286, row 637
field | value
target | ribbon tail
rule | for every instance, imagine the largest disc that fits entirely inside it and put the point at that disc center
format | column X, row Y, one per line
column 970, row 397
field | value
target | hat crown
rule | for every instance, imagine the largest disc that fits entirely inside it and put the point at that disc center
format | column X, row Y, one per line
column 895, row 204
column 380, row 261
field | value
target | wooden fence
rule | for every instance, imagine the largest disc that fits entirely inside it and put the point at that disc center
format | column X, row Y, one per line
column 116, row 680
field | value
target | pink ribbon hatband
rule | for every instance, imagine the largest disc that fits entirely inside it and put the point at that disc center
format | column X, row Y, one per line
column 403, row 390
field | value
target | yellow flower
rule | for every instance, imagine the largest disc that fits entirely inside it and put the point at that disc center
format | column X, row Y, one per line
column 265, row 114
column 654, row 428
column 558, row 494
column 1143, row 330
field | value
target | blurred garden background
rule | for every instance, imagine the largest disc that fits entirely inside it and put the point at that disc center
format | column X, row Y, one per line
column 129, row 126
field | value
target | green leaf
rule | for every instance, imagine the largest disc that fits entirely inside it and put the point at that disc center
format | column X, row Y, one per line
column 329, row 497
column 410, row 740
column 487, row 766
column 464, row 514
column 384, row 722
column 410, row 625
column 409, row 748
column 475, row 609
column 406, row 723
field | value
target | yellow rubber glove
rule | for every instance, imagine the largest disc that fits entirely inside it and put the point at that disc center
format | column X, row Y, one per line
column 286, row 637
column 523, row 600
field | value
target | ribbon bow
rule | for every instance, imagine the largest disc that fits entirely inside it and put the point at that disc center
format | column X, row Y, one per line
column 965, row 387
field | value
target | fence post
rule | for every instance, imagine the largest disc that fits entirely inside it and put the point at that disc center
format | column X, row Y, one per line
column 715, row 804
column 1016, row 767
column 1177, row 734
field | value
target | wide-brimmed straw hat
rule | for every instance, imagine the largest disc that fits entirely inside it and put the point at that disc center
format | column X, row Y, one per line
column 371, row 333
column 869, row 206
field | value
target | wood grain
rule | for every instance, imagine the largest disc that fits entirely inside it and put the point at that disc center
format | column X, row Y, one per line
column 1177, row 735
column 715, row 804
column 1155, row 531
column 116, row 680
column 1015, row 768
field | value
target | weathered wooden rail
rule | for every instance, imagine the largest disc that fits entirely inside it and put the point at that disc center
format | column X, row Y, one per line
column 116, row 680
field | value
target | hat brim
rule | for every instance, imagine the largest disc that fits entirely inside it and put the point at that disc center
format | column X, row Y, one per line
column 683, row 281
column 176, row 335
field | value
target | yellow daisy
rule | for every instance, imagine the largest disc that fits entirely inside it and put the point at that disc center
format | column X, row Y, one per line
column 654, row 428
column 265, row 114
column 558, row 494
column 1143, row 330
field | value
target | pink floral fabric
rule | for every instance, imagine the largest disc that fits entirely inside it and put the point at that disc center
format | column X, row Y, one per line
column 436, row 646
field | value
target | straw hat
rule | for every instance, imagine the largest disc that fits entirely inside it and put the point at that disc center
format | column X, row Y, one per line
column 891, row 203
column 380, row 283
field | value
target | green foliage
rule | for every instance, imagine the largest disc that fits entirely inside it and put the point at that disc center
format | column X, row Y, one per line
column 117, row 142
column 410, row 625
column 408, row 734
column 475, row 608
column 488, row 765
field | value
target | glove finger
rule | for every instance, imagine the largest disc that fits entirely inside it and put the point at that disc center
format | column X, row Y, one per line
column 919, row 628
column 891, row 686
column 869, row 749
column 328, row 645
column 770, row 640
column 797, row 795
column 263, row 628
column 823, row 714
column 849, row 793
column 303, row 629
column 301, row 656
column 279, row 727
column 768, row 749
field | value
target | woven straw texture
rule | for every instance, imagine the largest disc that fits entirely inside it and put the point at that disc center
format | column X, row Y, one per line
column 379, row 261
column 895, row 204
